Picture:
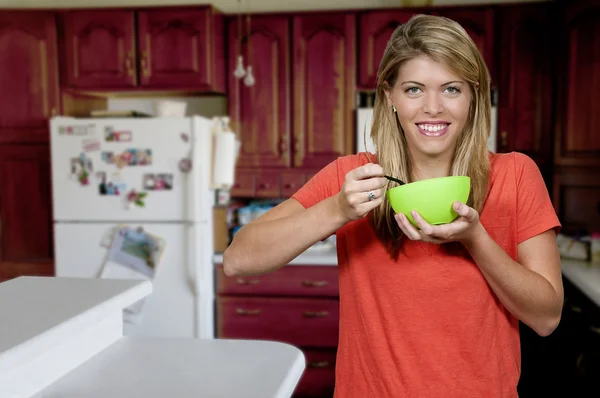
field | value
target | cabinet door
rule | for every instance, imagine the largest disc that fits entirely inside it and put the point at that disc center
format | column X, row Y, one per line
column 578, row 139
column 261, row 114
column 376, row 28
column 576, row 197
column 177, row 49
column 525, row 85
column 479, row 24
column 99, row 49
column 26, row 244
column 28, row 76
column 324, row 87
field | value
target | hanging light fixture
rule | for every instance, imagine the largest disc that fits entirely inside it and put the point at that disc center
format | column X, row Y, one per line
column 249, row 79
column 239, row 71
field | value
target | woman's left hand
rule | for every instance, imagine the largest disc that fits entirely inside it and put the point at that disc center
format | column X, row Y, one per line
column 463, row 229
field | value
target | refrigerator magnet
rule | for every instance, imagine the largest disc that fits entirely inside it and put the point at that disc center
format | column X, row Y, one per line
column 136, row 198
column 185, row 137
column 185, row 165
column 91, row 145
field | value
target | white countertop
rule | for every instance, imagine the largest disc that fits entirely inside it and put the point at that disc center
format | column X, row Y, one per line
column 309, row 257
column 181, row 368
column 583, row 275
column 35, row 311
column 62, row 337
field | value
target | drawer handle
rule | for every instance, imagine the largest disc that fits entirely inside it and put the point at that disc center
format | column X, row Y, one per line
column 242, row 281
column 315, row 283
column 318, row 364
column 241, row 311
column 315, row 314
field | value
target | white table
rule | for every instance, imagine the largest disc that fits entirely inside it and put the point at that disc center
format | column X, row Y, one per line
column 62, row 337
column 585, row 276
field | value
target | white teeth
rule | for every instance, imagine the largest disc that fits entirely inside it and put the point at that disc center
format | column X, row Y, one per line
column 433, row 127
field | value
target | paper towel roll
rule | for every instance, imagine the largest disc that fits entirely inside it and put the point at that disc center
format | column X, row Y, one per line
column 224, row 155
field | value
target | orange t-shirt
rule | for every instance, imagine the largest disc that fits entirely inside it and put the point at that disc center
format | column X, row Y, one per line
column 429, row 325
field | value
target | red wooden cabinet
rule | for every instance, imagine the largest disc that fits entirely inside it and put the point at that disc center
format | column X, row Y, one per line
column 28, row 76
column 297, row 304
column 479, row 24
column 261, row 114
column 324, row 59
column 577, row 133
column 375, row 30
column 181, row 48
column 525, row 120
column 99, row 49
column 26, row 243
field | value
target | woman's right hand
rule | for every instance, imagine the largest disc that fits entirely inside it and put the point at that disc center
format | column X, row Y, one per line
column 362, row 191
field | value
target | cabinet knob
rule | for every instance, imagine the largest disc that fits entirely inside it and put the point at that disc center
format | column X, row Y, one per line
column 315, row 283
column 504, row 139
column 318, row 364
column 242, row 281
column 315, row 314
column 129, row 64
column 146, row 64
column 241, row 311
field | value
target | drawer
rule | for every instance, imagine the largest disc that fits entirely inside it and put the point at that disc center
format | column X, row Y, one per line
column 267, row 184
column 291, row 280
column 245, row 184
column 291, row 182
column 318, row 379
column 300, row 322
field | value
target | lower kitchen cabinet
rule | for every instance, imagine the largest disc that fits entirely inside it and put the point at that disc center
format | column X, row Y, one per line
column 296, row 304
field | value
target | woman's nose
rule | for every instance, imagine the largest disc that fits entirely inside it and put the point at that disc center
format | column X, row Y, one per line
column 433, row 105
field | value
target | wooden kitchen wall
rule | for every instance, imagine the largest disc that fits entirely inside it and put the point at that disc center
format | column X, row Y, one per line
column 544, row 59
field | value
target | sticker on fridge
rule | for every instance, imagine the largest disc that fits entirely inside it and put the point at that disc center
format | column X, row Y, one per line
column 90, row 145
column 110, row 186
column 110, row 135
column 158, row 182
column 81, row 167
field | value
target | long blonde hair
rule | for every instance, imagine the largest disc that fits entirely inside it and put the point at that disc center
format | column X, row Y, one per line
column 444, row 41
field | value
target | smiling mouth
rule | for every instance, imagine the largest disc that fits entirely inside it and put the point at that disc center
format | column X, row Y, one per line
column 433, row 129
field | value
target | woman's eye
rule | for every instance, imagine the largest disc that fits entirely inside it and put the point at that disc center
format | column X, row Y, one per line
column 453, row 90
column 413, row 90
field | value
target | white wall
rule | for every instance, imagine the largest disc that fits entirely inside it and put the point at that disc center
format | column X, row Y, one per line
column 230, row 6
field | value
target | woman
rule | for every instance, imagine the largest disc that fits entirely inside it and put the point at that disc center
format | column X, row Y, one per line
column 434, row 311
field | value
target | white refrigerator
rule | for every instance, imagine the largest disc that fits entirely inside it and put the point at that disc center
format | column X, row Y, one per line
column 132, row 197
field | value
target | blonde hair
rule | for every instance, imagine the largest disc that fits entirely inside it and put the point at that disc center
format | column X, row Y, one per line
column 444, row 41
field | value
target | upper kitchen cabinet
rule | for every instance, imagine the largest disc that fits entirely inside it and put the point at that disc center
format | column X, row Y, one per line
column 375, row 30
column 99, row 49
column 182, row 48
column 479, row 24
column 28, row 76
column 526, row 56
column 261, row 113
column 578, row 128
column 178, row 48
column 324, row 75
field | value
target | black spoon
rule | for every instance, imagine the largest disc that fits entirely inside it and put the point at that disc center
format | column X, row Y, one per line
column 395, row 180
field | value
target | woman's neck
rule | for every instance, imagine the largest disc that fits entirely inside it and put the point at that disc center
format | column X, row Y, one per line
column 430, row 168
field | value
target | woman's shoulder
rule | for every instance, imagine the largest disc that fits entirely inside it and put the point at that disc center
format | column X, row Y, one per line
column 351, row 162
column 513, row 162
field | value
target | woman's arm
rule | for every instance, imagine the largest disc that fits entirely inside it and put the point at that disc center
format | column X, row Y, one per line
column 531, row 289
column 280, row 235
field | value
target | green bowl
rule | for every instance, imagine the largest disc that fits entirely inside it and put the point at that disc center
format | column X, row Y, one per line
column 432, row 198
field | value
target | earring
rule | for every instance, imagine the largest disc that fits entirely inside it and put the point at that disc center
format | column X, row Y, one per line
column 394, row 109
